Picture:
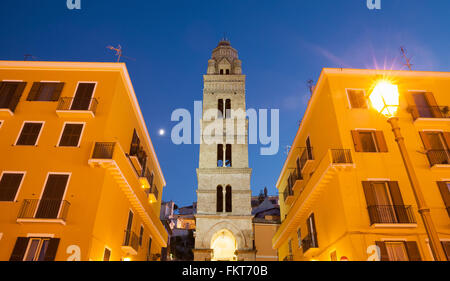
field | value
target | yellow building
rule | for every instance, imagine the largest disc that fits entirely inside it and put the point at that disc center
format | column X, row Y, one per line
column 79, row 177
column 344, row 188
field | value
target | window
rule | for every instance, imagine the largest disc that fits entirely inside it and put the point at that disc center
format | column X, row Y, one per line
column 135, row 144
column 220, row 108
column 312, row 233
column 357, row 98
column 52, row 196
column 10, row 93
column 446, row 246
column 437, row 146
column 141, row 235
column 369, row 141
column 228, row 155
column 299, row 237
column 221, row 72
column 149, row 251
column 228, row 108
column 290, row 246
column 71, row 135
column 35, row 249
column 219, row 199
column 423, row 105
column 444, row 188
column 227, row 71
column 83, row 96
column 45, row 91
column 220, row 155
column 399, row 251
column 9, row 185
column 106, row 254
column 385, row 203
column 228, row 199
column 333, row 256
column 30, row 133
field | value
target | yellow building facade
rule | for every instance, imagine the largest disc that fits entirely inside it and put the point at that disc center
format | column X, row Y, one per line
column 79, row 177
column 344, row 190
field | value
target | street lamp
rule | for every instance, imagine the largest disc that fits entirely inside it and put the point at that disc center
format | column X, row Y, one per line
column 385, row 99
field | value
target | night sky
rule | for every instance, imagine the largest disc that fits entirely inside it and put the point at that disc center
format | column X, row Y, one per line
column 282, row 44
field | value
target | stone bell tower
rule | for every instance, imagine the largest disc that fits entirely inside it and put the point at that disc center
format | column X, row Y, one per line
column 223, row 221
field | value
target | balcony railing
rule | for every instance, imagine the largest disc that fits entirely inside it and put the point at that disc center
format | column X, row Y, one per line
column 310, row 241
column 307, row 154
column 10, row 102
column 391, row 214
column 44, row 209
column 438, row 156
column 429, row 111
column 103, row 150
column 288, row 192
column 77, row 104
column 288, row 258
column 130, row 240
column 341, row 156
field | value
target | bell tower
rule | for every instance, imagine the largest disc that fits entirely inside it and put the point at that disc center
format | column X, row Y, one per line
column 224, row 228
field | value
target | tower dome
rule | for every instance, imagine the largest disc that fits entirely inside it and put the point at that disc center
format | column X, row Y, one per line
column 224, row 60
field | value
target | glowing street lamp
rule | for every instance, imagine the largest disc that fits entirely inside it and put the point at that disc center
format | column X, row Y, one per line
column 385, row 98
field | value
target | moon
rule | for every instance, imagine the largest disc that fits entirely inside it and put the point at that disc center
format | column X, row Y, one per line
column 161, row 132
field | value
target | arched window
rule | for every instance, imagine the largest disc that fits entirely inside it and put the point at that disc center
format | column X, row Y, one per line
column 228, row 108
column 220, row 108
column 220, row 155
column 221, row 72
column 228, row 155
column 219, row 200
column 228, row 205
column 228, row 71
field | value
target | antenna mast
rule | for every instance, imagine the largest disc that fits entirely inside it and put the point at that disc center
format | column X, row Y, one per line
column 408, row 60
column 119, row 52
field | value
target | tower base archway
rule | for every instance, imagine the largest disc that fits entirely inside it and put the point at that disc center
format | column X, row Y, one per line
column 223, row 246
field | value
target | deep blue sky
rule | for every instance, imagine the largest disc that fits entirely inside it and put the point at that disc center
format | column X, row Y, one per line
column 282, row 44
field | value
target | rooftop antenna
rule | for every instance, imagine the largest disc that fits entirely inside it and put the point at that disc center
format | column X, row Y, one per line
column 28, row 56
column 408, row 60
column 287, row 149
column 119, row 53
column 310, row 84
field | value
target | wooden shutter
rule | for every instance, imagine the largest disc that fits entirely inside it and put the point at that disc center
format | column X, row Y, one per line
column 433, row 104
column 425, row 140
column 57, row 92
column 445, row 194
column 383, row 251
column 447, row 139
column 412, row 105
column 413, row 251
column 369, row 193
column 446, row 246
column 34, row 91
column 397, row 200
column 19, row 249
column 52, row 248
column 71, row 135
column 29, row 134
column 381, row 141
column 9, row 184
column 357, row 141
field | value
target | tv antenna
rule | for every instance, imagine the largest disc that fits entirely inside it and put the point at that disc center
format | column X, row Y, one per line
column 408, row 60
column 310, row 84
column 28, row 56
column 119, row 53
column 287, row 149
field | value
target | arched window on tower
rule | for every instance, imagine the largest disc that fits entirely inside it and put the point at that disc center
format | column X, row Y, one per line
column 219, row 199
column 228, row 196
column 228, row 108
column 228, row 72
column 228, row 155
column 220, row 108
column 220, row 155
column 221, row 72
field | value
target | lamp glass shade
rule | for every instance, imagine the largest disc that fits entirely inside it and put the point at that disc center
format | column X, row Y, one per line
column 385, row 98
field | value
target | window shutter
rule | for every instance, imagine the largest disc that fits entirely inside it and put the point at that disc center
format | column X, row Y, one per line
column 34, row 91
column 370, row 200
column 50, row 254
column 400, row 209
column 57, row 92
column 445, row 194
column 383, row 251
column 19, row 249
column 357, row 141
column 9, row 185
column 413, row 251
column 446, row 246
column 412, row 105
column 425, row 140
column 433, row 104
column 381, row 141
column 447, row 139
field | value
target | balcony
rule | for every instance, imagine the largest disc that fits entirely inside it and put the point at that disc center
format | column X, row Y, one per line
column 130, row 245
column 111, row 157
column 288, row 195
column 309, row 242
column 44, row 210
column 439, row 158
column 8, row 105
column 288, row 258
column 82, row 108
column 424, row 114
column 385, row 215
column 334, row 161
column 306, row 160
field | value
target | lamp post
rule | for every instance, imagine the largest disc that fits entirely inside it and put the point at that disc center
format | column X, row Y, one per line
column 385, row 99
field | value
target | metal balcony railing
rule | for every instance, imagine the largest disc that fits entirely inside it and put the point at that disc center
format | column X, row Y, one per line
column 131, row 240
column 341, row 156
column 44, row 209
column 429, row 111
column 103, row 150
column 10, row 102
column 307, row 154
column 288, row 191
column 80, row 104
column 310, row 241
column 391, row 214
column 438, row 156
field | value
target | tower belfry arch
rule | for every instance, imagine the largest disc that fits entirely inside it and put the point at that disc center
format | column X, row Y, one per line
column 224, row 229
